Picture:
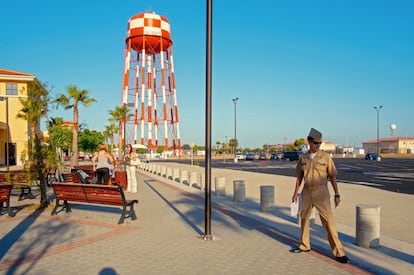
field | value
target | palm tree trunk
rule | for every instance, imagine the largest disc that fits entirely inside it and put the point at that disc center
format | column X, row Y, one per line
column 112, row 142
column 75, row 154
column 120, row 135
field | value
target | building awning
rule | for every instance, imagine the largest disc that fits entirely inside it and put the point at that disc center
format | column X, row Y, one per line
column 139, row 146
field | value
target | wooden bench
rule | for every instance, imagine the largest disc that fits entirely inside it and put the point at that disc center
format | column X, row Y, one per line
column 18, row 178
column 85, row 167
column 5, row 190
column 74, row 177
column 95, row 194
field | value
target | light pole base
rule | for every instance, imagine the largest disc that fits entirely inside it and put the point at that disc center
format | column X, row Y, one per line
column 207, row 237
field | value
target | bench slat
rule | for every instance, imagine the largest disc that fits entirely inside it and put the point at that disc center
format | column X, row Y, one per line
column 5, row 191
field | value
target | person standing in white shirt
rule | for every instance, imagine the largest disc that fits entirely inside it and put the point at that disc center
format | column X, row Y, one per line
column 130, row 162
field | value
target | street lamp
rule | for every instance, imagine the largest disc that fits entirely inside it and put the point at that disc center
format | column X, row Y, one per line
column 5, row 98
column 235, row 100
column 192, row 152
column 378, row 109
column 225, row 150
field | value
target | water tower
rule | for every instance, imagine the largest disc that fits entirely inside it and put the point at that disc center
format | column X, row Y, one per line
column 149, row 88
column 393, row 128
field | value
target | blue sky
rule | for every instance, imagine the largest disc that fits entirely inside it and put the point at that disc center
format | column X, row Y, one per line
column 293, row 64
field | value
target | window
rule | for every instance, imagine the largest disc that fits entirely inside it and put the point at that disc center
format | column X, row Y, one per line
column 11, row 89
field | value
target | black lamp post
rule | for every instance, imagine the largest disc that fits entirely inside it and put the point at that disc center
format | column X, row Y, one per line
column 209, row 46
column 378, row 109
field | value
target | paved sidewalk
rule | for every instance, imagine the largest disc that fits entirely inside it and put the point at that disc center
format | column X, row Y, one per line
column 167, row 236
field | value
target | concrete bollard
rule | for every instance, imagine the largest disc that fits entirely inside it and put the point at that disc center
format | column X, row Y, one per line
column 169, row 173
column 193, row 178
column 239, row 190
column 267, row 198
column 184, row 177
column 367, row 225
column 202, row 182
column 220, row 186
column 176, row 174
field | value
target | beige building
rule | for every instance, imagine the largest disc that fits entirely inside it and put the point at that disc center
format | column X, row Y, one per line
column 392, row 145
column 326, row 146
column 13, row 86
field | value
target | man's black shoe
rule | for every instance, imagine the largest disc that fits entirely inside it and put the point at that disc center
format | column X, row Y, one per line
column 343, row 259
column 298, row 250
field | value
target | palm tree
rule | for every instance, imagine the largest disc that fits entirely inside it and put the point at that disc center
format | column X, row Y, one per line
column 33, row 109
column 53, row 121
column 111, row 130
column 120, row 115
column 233, row 145
column 106, row 135
column 71, row 101
column 218, row 143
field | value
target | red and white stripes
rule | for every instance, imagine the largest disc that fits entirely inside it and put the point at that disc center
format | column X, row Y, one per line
column 149, row 88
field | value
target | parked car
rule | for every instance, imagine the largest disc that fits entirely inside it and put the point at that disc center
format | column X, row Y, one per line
column 276, row 156
column 373, row 156
column 291, row 155
column 262, row 156
column 240, row 156
column 249, row 156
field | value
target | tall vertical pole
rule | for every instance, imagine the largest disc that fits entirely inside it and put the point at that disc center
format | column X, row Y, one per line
column 235, row 126
column 192, row 153
column 235, row 100
column 124, row 140
column 225, row 151
column 378, row 111
column 209, row 32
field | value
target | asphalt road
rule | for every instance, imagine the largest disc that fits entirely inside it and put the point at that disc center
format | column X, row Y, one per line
column 396, row 175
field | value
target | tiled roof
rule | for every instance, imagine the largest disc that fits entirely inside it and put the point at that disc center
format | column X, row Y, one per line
column 9, row 74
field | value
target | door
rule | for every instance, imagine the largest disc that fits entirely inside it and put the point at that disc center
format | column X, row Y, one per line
column 12, row 153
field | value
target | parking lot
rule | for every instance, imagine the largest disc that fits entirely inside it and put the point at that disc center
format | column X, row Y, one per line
column 395, row 175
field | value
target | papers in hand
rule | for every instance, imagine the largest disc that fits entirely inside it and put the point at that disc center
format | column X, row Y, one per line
column 294, row 209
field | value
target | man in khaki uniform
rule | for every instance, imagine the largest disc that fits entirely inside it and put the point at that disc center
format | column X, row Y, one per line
column 314, row 168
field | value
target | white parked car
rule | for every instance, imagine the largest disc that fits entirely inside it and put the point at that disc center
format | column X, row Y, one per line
column 240, row 156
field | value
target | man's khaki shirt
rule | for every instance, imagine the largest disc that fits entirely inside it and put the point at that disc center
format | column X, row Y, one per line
column 315, row 172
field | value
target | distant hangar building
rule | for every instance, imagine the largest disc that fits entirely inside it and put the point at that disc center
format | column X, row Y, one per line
column 391, row 145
